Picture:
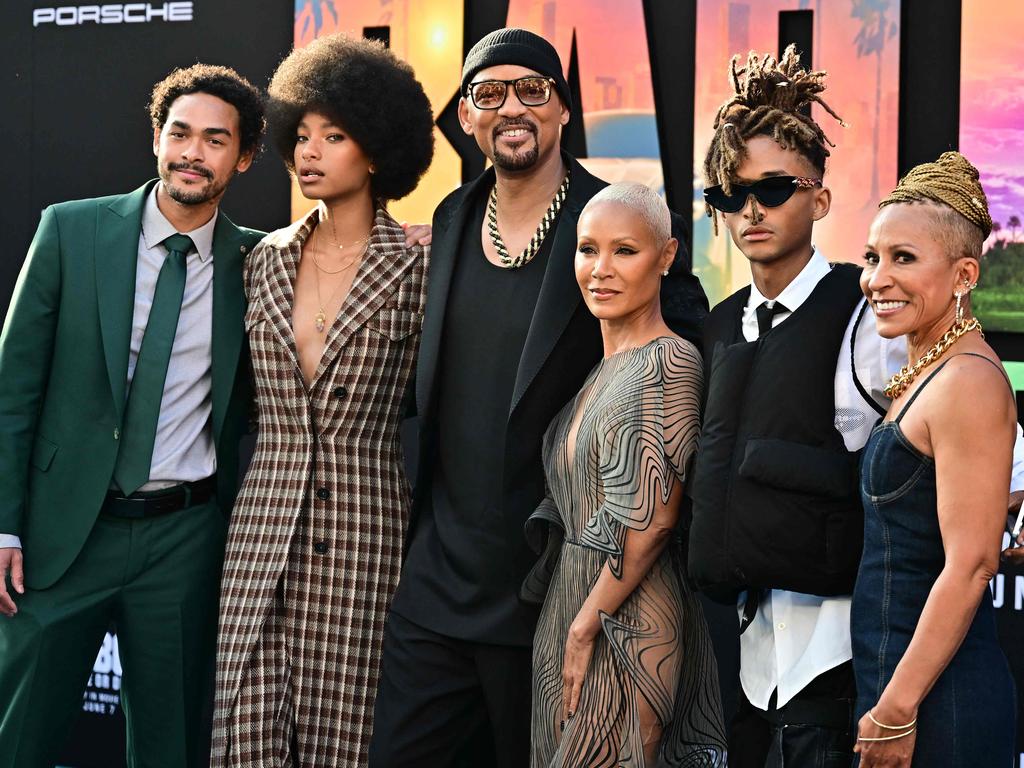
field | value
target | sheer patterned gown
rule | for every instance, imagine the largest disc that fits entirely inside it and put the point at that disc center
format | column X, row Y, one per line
column 612, row 456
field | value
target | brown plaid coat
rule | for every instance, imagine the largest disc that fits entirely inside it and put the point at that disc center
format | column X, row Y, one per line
column 315, row 544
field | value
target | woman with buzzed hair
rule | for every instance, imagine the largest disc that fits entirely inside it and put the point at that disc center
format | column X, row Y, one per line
column 623, row 671
column 335, row 302
column 933, row 686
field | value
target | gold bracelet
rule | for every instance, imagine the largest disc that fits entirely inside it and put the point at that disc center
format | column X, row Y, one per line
column 886, row 738
column 911, row 724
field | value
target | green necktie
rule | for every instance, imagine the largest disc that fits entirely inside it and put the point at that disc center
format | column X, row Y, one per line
column 147, row 390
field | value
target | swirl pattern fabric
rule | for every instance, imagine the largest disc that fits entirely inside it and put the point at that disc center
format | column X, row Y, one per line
column 613, row 456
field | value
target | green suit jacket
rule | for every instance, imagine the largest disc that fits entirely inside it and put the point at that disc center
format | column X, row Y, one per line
column 64, row 369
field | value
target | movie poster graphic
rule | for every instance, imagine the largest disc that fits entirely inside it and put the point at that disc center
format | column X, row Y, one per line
column 616, row 90
column 103, row 691
column 992, row 137
column 857, row 43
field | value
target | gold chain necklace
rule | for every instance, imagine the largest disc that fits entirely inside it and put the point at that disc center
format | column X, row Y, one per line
column 536, row 241
column 320, row 319
column 898, row 384
column 339, row 246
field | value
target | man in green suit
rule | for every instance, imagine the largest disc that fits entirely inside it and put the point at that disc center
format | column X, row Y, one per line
column 123, row 395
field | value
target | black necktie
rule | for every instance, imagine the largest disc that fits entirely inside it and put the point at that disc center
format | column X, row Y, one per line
column 765, row 314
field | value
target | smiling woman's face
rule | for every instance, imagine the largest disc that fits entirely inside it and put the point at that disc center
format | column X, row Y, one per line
column 619, row 261
column 909, row 277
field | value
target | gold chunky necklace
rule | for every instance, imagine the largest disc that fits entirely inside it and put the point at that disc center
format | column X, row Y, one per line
column 536, row 241
column 898, row 384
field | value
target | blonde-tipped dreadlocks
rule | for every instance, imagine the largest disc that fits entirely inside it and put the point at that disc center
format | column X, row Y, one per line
column 767, row 99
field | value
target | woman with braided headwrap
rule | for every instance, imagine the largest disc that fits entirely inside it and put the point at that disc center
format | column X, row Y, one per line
column 934, row 689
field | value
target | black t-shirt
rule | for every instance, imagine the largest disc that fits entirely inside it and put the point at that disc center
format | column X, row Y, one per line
column 459, row 555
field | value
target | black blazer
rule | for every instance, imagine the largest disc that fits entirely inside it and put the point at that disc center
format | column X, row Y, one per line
column 562, row 346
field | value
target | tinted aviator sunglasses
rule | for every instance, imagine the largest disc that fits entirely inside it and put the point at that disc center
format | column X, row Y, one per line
column 770, row 192
column 532, row 90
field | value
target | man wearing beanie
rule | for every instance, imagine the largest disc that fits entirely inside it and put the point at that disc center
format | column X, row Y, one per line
column 507, row 341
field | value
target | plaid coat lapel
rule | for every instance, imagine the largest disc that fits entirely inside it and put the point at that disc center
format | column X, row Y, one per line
column 276, row 288
column 384, row 264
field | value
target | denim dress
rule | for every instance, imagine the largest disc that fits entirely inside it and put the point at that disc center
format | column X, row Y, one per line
column 968, row 717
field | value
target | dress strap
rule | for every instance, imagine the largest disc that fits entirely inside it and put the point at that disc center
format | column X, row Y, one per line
column 933, row 374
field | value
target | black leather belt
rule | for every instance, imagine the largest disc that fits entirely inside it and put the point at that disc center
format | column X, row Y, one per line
column 154, row 503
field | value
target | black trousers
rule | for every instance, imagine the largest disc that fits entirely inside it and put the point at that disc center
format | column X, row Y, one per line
column 814, row 730
column 448, row 702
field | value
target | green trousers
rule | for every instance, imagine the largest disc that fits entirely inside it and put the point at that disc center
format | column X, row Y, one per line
column 157, row 580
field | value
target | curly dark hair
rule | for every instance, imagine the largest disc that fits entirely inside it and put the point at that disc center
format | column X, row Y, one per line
column 222, row 82
column 368, row 91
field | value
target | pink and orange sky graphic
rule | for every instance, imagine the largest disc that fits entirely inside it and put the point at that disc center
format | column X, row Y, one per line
column 992, row 103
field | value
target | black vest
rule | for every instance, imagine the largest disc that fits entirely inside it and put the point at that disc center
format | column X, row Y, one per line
column 775, row 492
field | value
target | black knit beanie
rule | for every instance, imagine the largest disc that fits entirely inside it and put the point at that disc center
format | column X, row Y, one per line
column 521, row 47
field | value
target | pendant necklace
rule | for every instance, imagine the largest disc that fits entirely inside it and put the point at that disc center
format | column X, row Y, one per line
column 339, row 246
column 320, row 319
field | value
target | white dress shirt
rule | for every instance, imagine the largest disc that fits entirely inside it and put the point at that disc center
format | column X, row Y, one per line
column 183, row 449
column 794, row 637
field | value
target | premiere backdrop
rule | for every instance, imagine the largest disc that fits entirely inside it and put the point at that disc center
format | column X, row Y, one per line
column 910, row 78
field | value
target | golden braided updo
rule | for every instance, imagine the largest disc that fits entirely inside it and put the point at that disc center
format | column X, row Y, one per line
column 951, row 180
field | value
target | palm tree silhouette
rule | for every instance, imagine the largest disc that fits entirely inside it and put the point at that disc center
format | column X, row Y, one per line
column 1013, row 223
column 875, row 29
column 996, row 228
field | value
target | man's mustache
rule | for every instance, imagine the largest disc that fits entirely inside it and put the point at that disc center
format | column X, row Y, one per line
column 204, row 172
column 504, row 125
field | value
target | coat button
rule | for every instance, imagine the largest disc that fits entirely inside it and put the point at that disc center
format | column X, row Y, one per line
column 340, row 392
column 323, row 494
column 320, row 547
column 117, row 433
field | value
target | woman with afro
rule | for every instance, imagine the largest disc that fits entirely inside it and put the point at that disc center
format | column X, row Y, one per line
column 333, row 321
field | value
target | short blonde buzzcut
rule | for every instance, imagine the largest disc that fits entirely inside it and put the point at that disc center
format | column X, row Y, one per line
column 641, row 199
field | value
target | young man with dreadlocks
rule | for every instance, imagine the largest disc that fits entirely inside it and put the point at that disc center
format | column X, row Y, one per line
column 797, row 374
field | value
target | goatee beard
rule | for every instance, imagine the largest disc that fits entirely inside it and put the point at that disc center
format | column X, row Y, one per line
column 519, row 161
column 186, row 196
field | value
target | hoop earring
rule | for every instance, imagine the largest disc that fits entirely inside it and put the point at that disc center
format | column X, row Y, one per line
column 959, row 307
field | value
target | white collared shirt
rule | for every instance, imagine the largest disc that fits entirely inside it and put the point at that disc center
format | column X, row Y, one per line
column 794, row 637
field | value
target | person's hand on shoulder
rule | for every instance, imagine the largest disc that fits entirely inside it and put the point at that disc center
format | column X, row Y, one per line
column 417, row 234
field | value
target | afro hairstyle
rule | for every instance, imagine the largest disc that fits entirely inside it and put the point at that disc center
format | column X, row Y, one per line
column 367, row 90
